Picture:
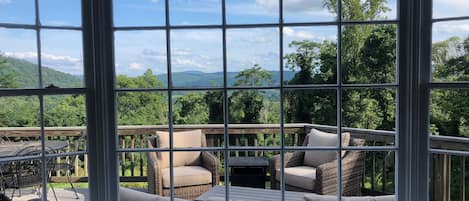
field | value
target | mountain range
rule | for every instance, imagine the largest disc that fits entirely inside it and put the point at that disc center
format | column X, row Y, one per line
column 27, row 76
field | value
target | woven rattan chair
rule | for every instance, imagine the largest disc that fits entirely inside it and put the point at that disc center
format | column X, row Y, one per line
column 158, row 166
column 325, row 181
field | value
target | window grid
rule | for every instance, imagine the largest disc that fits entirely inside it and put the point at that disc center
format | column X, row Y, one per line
column 339, row 87
column 432, row 85
column 40, row 91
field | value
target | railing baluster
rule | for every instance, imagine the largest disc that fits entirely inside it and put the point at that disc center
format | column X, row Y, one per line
column 384, row 172
column 373, row 169
column 123, row 156
column 132, row 156
column 462, row 188
column 142, row 145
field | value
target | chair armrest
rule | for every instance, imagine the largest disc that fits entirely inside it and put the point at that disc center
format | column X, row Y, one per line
column 290, row 160
column 211, row 162
column 155, row 178
column 352, row 173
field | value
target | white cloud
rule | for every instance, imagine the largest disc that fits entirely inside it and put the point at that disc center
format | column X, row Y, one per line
column 136, row 66
column 298, row 35
column 293, row 5
column 5, row 1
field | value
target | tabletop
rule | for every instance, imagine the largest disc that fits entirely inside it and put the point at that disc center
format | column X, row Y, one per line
column 11, row 149
column 249, row 194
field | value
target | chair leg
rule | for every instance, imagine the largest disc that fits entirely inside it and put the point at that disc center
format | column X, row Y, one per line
column 13, row 193
column 69, row 177
column 53, row 191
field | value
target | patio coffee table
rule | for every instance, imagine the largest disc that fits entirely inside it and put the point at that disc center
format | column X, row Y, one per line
column 250, row 194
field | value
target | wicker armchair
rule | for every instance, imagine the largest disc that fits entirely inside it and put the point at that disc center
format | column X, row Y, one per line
column 325, row 183
column 185, row 186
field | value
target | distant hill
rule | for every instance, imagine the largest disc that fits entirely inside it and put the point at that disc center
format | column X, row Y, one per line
column 26, row 74
column 201, row 79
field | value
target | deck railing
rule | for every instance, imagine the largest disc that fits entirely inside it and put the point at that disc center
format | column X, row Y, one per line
column 379, row 171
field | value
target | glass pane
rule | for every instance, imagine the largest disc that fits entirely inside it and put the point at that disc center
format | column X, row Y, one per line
column 62, row 65
column 140, row 55
column 450, row 8
column 135, row 168
column 449, row 113
column 18, row 59
column 60, row 13
column 139, row 115
column 251, row 169
column 251, row 11
column 308, row 108
column 253, row 57
column 195, row 12
column 24, row 175
column 75, row 166
column 197, row 59
column 319, row 167
column 307, row 10
column 448, row 177
column 366, row 10
column 369, row 54
column 196, row 113
column 373, row 111
column 310, row 55
column 369, row 173
column 19, row 119
column 450, row 51
column 20, row 12
column 139, row 12
column 254, row 117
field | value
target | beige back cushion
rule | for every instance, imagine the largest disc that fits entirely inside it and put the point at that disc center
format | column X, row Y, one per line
column 318, row 138
column 182, row 139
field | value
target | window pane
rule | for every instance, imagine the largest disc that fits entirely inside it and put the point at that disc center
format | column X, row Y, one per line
column 450, row 8
column 139, row 115
column 306, row 10
column 139, row 12
column 373, row 111
column 310, row 108
column 369, row 10
column 197, row 59
column 310, row 55
column 251, row 11
column 140, row 55
column 62, row 65
column 369, row 171
column 254, row 117
column 369, row 54
column 448, row 172
column 18, row 59
column 253, row 57
column 19, row 117
column 19, row 11
column 251, row 169
column 450, row 52
column 60, row 13
column 449, row 113
column 195, row 12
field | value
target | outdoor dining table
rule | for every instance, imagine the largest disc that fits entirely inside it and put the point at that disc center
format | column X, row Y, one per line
column 13, row 149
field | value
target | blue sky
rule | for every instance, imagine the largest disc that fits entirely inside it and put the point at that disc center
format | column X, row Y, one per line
column 199, row 49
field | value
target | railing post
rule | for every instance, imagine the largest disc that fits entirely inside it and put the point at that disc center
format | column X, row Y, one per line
column 462, row 189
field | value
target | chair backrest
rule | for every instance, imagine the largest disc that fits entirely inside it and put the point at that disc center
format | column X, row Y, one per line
column 183, row 139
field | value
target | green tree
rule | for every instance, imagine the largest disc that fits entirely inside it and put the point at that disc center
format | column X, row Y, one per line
column 141, row 108
column 214, row 100
column 7, row 79
column 191, row 109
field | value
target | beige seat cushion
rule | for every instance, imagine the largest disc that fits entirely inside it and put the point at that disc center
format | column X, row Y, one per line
column 299, row 176
column 318, row 138
column 180, row 140
column 187, row 176
column 133, row 195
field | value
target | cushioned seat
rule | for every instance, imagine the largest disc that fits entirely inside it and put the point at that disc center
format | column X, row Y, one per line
column 187, row 176
column 299, row 176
